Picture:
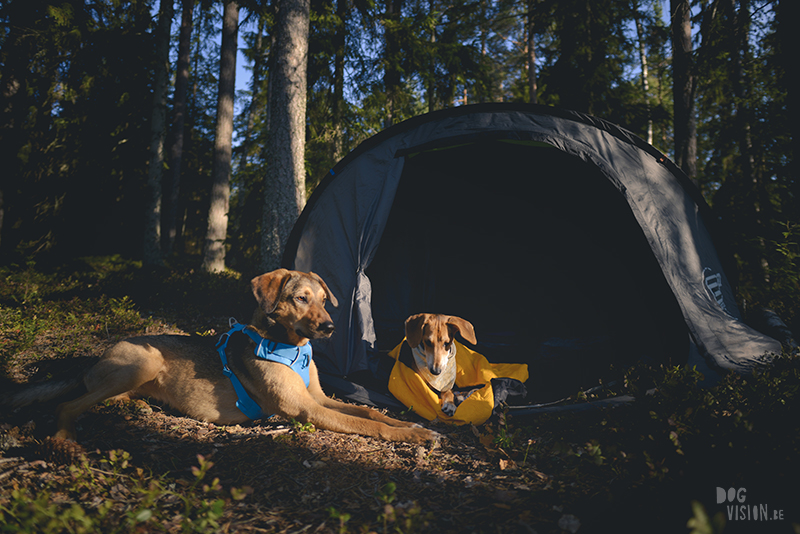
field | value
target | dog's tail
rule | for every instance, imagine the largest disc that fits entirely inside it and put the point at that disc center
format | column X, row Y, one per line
column 69, row 376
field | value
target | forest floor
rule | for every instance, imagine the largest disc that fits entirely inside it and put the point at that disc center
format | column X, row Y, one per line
column 654, row 465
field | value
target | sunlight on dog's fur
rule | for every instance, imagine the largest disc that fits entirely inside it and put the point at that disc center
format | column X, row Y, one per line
column 186, row 372
column 431, row 338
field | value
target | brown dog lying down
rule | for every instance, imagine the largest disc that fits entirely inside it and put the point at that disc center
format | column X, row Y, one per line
column 187, row 372
column 431, row 337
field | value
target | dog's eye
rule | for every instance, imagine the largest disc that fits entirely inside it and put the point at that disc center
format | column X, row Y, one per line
column 301, row 299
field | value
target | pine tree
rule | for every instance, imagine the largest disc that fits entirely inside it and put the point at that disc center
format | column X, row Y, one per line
column 284, row 185
column 152, row 232
column 214, row 250
column 169, row 227
column 683, row 92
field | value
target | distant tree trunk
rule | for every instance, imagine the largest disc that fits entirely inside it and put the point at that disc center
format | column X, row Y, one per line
column 391, row 75
column 645, row 74
column 258, row 67
column 214, row 250
column 532, row 86
column 684, row 122
column 340, row 51
column 169, row 223
column 758, row 204
column 741, row 89
column 152, row 231
column 788, row 39
column 431, row 97
column 285, row 182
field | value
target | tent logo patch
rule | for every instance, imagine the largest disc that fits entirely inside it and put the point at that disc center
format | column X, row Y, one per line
column 714, row 285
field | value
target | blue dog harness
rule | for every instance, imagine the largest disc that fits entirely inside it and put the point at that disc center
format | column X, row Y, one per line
column 297, row 358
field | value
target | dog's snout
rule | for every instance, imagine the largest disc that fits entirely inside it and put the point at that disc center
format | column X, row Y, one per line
column 327, row 328
column 435, row 370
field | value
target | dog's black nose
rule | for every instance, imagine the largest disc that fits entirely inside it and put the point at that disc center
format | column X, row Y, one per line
column 327, row 328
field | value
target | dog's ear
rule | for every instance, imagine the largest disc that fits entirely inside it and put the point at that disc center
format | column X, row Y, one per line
column 268, row 287
column 414, row 329
column 463, row 327
column 328, row 293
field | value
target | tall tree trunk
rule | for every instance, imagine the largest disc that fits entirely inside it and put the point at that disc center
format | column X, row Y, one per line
column 258, row 67
column 342, row 9
column 645, row 74
column 170, row 221
column 391, row 75
column 285, row 182
column 741, row 89
column 214, row 250
column 152, row 231
column 431, row 96
column 684, row 122
column 532, row 86
column 758, row 203
column 788, row 39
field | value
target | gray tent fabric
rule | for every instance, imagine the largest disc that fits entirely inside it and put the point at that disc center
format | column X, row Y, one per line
column 343, row 227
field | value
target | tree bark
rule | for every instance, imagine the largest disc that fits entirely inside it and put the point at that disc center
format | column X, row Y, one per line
column 170, row 221
column 431, row 90
column 285, row 182
column 258, row 67
column 391, row 75
column 152, row 231
column 788, row 39
column 645, row 74
column 683, row 88
column 214, row 250
column 340, row 51
column 532, row 85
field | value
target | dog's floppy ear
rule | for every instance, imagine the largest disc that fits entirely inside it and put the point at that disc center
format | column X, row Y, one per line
column 330, row 296
column 414, row 329
column 268, row 287
column 464, row 328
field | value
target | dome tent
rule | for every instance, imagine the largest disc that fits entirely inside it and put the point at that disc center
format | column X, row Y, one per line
column 567, row 241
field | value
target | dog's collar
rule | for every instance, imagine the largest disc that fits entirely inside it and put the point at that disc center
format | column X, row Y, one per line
column 294, row 357
column 443, row 381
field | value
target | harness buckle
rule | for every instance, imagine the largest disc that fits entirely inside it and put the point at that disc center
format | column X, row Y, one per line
column 223, row 340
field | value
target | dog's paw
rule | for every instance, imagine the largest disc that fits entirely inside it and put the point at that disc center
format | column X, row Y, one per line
column 421, row 435
column 433, row 437
column 449, row 408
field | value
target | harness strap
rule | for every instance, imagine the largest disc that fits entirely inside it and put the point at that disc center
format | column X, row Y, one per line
column 296, row 358
column 245, row 403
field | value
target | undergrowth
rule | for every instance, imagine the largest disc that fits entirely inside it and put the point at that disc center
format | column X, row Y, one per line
column 653, row 465
column 117, row 497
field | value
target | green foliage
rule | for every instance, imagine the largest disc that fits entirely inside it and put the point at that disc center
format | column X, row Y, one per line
column 148, row 502
column 700, row 523
column 341, row 517
column 781, row 291
column 66, row 312
column 505, row 436
column 302, row 427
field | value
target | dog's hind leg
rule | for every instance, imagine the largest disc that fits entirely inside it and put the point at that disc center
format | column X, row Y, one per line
column 122, row 369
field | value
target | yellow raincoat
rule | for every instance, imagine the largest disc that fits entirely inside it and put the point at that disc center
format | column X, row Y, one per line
column 473, row 369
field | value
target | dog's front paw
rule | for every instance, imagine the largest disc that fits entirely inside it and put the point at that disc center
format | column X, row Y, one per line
column 449, row 408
